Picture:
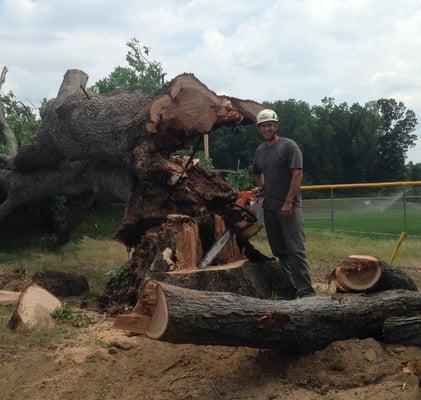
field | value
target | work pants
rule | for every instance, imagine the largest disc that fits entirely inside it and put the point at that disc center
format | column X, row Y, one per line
column 286, row 240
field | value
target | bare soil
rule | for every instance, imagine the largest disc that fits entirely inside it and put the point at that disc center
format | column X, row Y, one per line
column 99, row 362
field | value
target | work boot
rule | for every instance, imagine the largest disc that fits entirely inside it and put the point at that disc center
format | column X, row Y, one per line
column 306, row 293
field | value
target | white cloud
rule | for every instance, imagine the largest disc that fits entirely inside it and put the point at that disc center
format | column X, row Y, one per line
column 353, row 50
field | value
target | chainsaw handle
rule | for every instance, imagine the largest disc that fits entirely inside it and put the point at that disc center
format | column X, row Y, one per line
column 249, row 215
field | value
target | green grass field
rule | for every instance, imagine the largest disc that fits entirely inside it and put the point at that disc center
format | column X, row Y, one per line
column 349, row 216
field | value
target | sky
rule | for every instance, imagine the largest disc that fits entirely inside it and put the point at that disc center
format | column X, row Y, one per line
column 351, row 50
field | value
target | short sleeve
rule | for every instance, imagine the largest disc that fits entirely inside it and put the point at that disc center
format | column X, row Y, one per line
column 255, row 169
column 295, row 157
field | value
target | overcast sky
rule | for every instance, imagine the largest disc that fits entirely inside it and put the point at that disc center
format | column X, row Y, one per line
column 352, row 50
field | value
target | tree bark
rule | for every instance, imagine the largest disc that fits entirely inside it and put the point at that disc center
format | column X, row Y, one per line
column 403, row 330
column 180, row 315
column 8, row 134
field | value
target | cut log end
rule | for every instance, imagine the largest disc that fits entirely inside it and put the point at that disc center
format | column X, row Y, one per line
column 358, row 273
column 34, row 309
column 149, row 317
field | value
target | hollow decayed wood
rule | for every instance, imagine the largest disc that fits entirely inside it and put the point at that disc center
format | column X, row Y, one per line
column 261, row 280
column 362, row 273
column 181, row 315
column 403, row 330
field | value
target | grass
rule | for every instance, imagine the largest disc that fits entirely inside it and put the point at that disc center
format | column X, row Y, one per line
column 90, row 252
column 64, row 315
column 326, row 248
column 37, row 338
column 351, row 218
column 90, row 257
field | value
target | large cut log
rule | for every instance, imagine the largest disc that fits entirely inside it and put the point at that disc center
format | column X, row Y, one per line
column 179, row 315
column 34, row 309
column 403, row 330
column 361, row 273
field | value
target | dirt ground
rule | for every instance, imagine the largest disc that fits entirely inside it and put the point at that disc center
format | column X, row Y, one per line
column 99, row 362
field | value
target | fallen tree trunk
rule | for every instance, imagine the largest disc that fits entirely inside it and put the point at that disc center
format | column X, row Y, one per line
column 180, row 315
column 129, row 131
column 403, row 330
column 133, row 138
column 361, row 273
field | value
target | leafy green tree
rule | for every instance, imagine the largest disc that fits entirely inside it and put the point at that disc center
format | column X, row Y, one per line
column 414, row 171
column 141, row 72
column 395, row 136
column 233, row 148
column 21, row 119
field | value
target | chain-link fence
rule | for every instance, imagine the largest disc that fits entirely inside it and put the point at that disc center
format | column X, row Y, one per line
column 382, row 208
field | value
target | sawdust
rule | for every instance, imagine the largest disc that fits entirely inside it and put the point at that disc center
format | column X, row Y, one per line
column 87, row 369
column 93, row 366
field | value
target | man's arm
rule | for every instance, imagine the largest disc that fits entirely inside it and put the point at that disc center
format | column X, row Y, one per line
column 294, row 189
column 258, row 180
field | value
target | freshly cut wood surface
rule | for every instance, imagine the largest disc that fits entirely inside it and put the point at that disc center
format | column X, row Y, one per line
column 34, row 309
column 8, row 297
column 180, row 315
column 358, row 273
column 364, row 273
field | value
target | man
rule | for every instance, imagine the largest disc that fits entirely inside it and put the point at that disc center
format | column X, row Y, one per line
column 280, row 163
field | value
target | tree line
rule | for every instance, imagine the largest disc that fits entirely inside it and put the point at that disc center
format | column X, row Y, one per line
column 341, row 143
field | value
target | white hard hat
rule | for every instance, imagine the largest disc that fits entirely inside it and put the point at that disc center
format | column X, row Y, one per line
column 266, row 116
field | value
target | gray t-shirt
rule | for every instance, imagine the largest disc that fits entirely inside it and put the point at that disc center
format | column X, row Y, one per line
column 275, row 163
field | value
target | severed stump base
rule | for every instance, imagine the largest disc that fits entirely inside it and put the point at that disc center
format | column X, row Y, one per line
column 265, row 280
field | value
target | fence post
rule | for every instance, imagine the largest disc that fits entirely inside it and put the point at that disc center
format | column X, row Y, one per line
column 404, row 211
column 332, row 212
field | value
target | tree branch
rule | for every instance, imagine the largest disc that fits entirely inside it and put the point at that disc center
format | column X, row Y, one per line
column 3, row 76
column 8, row 134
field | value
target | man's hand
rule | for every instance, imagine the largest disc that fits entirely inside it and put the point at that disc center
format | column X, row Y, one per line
column 286, row 210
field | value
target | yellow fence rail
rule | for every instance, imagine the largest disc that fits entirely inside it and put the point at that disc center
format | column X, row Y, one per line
column 360, row 185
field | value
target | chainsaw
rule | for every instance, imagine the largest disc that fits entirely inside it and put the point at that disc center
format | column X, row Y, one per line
column 245, row 219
